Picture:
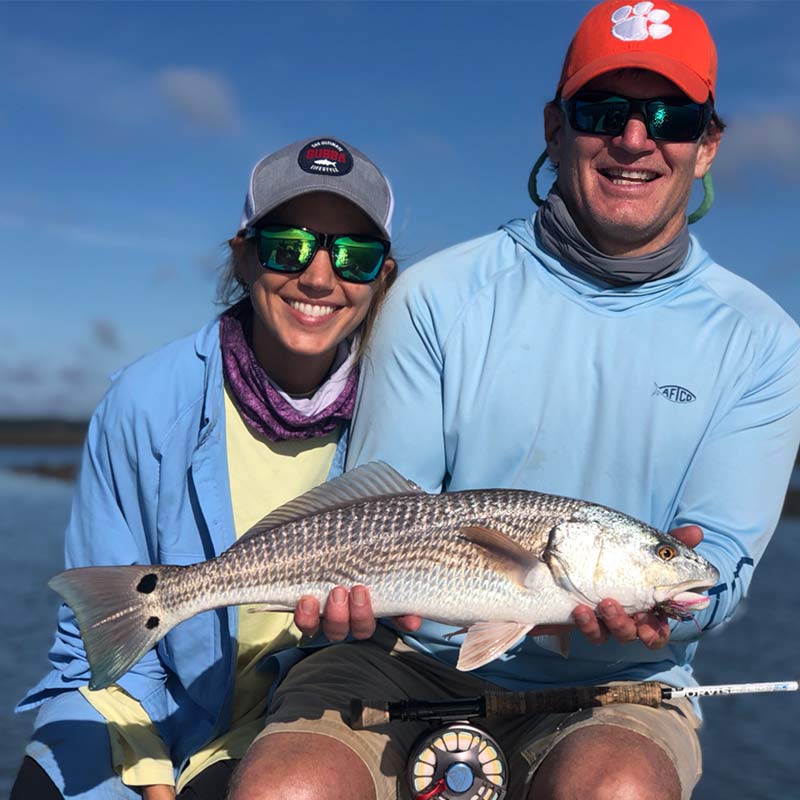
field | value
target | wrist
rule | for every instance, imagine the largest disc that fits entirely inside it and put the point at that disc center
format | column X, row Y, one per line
column 158, row 791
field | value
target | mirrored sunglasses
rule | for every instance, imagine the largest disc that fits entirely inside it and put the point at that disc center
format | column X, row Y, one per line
column 355, row 258
column 666, row 120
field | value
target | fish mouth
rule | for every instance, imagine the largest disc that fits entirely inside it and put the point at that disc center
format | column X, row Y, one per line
column 682, row 600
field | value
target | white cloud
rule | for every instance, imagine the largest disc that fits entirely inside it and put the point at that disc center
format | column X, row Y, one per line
column 204, row 98
column 106, row 88
column 769, row 143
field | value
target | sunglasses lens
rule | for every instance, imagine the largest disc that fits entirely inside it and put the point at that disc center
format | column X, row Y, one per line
column 285, row 249
column 675, row 122
column 358, row 258
column 608, row 115
column 600, row 116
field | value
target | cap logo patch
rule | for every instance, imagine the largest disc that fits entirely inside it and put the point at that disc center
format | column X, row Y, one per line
column 636, row 23
column 325, row 157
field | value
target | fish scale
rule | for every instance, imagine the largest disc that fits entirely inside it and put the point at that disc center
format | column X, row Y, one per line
column 298, row 556
column 502, row 560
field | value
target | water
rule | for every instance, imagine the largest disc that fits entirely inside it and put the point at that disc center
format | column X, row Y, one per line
column 749, row 742
column 12, row 456
column 33, row 513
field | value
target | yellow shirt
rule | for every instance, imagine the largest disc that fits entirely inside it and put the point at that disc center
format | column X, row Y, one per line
column 263, row 475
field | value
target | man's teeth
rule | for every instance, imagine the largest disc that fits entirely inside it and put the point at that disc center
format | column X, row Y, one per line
column 312, row 311
column 624, row 176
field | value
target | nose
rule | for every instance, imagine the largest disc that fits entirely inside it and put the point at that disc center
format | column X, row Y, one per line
column 318, row 276
column 634, row 137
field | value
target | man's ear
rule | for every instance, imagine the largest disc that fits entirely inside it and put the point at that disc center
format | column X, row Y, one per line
column 553, row 130
column 706, row 152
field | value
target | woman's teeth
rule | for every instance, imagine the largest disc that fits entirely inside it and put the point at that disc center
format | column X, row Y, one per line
column 311, row 311
column 621, row 177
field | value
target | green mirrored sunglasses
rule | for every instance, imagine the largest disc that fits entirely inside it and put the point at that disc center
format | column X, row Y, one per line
column 355, row 258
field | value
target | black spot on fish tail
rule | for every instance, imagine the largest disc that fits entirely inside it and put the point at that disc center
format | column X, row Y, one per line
column 147, row 583
column 152, row 623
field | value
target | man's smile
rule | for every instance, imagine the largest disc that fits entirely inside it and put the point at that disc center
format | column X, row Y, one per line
column 627, row 176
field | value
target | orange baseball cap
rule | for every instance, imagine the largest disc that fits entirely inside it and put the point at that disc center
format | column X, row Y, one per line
column 660, row 36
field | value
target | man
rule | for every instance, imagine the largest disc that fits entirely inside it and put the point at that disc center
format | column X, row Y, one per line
column 594, row 351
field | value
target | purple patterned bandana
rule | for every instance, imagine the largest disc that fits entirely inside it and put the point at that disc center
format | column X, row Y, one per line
column 265, row 409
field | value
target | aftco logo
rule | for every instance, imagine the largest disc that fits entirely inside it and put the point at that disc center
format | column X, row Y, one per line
column 675, row 394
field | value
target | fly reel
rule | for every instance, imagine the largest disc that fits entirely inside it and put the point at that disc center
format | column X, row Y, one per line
column 457, row 762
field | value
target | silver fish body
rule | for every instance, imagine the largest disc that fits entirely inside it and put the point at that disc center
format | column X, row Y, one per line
column 497, row 561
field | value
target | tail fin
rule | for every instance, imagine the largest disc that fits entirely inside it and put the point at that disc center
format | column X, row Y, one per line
column 120, row 613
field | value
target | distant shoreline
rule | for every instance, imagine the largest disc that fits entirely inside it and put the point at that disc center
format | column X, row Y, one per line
column 55, row 432
column 42, row 431
column 61, row 472
column 68, row 472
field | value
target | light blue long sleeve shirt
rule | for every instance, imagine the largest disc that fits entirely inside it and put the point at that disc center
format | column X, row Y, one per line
column 676, row 401
column 153, row 489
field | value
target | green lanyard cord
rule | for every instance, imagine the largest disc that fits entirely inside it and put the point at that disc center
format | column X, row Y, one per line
column 534, row 195
column 708, row 199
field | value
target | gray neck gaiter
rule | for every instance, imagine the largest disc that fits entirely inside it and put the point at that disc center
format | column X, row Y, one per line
column 559, row 235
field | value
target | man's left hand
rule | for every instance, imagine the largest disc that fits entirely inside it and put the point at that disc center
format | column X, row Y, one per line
column 611, row 620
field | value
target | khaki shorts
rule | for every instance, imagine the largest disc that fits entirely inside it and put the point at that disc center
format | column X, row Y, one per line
column 315, row 698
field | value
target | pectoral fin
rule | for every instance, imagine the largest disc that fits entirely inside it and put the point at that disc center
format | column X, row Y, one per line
column 485, row 641
column 507, row 554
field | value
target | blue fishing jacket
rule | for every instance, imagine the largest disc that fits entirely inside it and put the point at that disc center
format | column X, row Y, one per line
column 676, row 401
column 153, row 488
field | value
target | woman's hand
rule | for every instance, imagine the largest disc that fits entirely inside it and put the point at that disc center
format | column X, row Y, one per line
column 158, row 791
column 345, row 612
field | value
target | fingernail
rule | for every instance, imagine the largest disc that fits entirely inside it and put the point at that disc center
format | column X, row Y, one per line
column 339, row 595
column 608, row 609
column 583, row 619
column 359, row 595
column 307, row 606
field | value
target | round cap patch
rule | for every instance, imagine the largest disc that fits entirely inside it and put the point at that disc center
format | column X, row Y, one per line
column 325, row 157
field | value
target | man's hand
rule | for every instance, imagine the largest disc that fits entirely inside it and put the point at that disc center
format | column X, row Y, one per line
column 611, row 619
column 345, row 612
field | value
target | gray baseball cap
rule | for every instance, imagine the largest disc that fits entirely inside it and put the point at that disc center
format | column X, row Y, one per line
column 323, row 164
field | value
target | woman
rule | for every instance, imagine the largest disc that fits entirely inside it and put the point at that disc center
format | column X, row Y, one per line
column 192, row 445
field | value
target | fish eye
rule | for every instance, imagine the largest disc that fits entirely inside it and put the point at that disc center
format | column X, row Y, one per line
column 666, row 552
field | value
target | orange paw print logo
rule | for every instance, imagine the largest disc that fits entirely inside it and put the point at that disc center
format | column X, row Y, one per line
column 635, row 23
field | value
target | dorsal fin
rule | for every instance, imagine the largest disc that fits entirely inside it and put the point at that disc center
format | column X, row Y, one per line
column 376, row 479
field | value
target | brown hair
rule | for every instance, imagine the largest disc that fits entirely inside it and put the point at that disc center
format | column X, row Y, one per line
column 232, row 288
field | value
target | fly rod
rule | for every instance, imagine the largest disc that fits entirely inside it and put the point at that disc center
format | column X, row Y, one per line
column 372, row 713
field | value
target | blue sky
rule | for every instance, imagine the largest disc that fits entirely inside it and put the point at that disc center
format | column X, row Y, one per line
column 128, row 131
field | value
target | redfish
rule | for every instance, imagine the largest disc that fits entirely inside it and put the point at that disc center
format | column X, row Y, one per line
column 496, row 562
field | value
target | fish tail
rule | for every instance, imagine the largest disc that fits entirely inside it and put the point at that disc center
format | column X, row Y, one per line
column 120, row 613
